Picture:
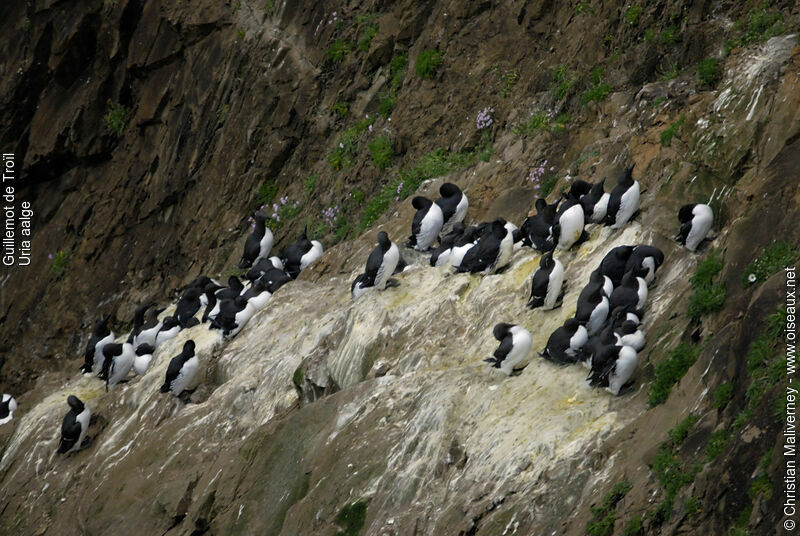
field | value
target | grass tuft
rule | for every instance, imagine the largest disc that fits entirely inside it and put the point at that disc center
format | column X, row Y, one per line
column 671, row 370
column 428, row 63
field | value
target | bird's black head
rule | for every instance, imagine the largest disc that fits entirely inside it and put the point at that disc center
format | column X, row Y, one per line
column 421, row 203
column 571, row 324
column 188, row 347
column 383, row 241
column 623, row 252
column 75, row 403
column 547, row 260
column 169, row 323
column 626, row 179
column 144, row 349
column 540, row 205
column 500, row 331
column 260, row 217
column 685, row 213
column 449, row 189
column 579, row 188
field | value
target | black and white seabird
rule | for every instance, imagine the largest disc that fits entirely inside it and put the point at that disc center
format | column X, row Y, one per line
column 515, row 343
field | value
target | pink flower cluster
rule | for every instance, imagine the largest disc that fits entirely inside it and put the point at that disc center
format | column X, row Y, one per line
column 399, row 189
column 537, row 173
column 484, row 119
column 334, row 18
column 330, row 216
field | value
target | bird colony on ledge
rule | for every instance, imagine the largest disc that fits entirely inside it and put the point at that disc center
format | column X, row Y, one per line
column 605, row 335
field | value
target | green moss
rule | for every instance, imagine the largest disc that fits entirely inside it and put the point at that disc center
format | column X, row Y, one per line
column 338, row 51
column 298, row 376
column 116, row 118
column 351, row 518
column 708, row 72
column 428, row 63
column 761, row 25
column 681, row 431
column 240, row 33
column 547, row 184
column 671, row 370
column 381, row 149
column 708, row 296
column 603, row 516
column 773, row 259
column 692, row 506
column 266, row 192
column 672, row 71
column 671, row 131
column 723, row 395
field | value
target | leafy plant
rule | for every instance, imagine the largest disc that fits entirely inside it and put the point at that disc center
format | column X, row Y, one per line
column 596, row 93
column 338, row 51
column 386, row 102
column 681, row 431
column 59, row 261
column 116, row 118
column 708, row 296
column 428, row 63
column 717, row 442
column 670, row 35
column 382, row 151
column 562, row 82
column 671, row 131
column 266, row 192
column 341, row 109
column 397, row 69
column 542, row 121
column 369, row 32
column 671, row 72
column 310, row 183
column 507, row 81
column 634, row 526
column 708, row 72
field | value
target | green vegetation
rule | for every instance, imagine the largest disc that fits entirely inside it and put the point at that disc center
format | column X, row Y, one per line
column 649, row 35
column 116, row 118
column 358, row 196
column 671, row 131
column 310, row 183
column 562, row 82
column 773, row 259
column 658, row 102
column 708, row 296
column 672, row 476
column 542, row 121
column 367, row 34
column 507, row 80
column 386, row 102
column 584, row 7
column 634, row 526
column 766, row 366
column 397, row 69
column 599, row 90
column 679, row 434
column 338, row 51
column 716, row 444
column 266, row 192
column 382, row 151
column 351, row 518
column 632, row 15
column 762, row 485
column 345, row 150
column 671, row 370
column 297, row 377
column 269, row 7
column 428, row 63
column 723, row 395
column 671, row 72
column 692, row 506
column 59, row 261
column 759, row 25
column 240, row 33
column 341, row 109
column 433, row 164
column 603, row 516
column 547, row 184
column 708, row 72
column 670, row 35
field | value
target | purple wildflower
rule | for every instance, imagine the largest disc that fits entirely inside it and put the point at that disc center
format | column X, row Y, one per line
column 484, row 119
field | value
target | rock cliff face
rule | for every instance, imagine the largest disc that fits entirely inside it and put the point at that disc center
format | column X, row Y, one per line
column 146, row 133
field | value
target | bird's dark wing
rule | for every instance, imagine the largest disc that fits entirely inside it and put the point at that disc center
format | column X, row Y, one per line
column 505, row 347
column 374, row 262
